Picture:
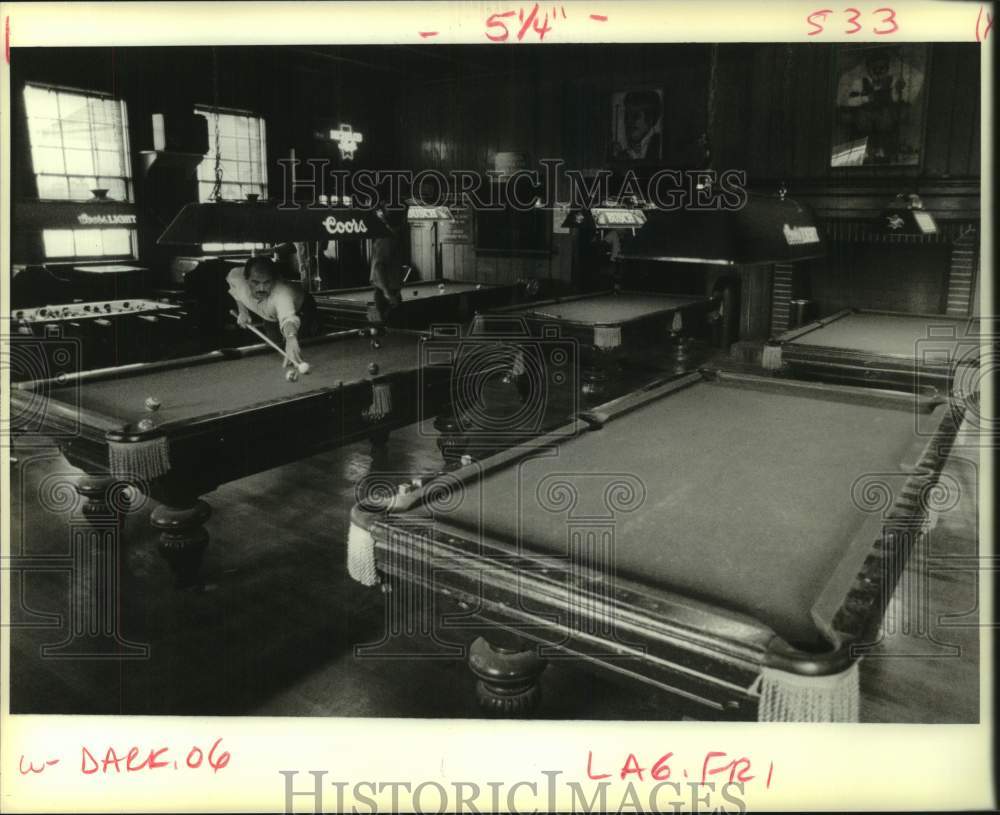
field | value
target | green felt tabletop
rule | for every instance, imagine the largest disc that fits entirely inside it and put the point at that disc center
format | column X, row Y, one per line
column 897, row 335
column 736, row 496
column 224, row 385
column 608, row 308
column 421, row 290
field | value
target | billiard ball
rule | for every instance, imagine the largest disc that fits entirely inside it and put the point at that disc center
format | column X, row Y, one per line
column 152, row 403
column 303, row 367
column 146, row 425
column 372, row 368
column 292, row 375
column 479, row 286
column 416, row 293
column 440, row 286
column 376, row 345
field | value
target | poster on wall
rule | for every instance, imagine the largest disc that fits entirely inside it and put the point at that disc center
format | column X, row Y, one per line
column 637, row 124
column 881, row 93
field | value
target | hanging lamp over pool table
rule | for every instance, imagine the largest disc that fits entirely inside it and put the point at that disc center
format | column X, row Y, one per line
column 267, row 222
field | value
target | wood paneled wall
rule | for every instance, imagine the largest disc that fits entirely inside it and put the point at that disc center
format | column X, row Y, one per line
column 774, row 115
column 549, row 103
column 769, row 111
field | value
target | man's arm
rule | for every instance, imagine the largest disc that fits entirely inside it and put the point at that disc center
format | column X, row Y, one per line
column 289, row 323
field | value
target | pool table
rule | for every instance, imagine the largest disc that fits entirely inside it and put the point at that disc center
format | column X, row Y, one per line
column 730, row 539
column 612, row 329
column 222, row 416
column 98, row 334
column 423, row 303
column 882, row 349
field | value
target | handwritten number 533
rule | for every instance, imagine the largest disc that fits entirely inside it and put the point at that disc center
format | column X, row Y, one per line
column 884, row 17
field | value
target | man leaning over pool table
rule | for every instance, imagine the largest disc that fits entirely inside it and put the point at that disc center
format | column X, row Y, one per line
column 288, row 312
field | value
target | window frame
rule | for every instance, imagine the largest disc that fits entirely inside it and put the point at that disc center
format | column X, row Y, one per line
column 126, row 177
column 75, row 258
column 260, row 146
column 259, row 187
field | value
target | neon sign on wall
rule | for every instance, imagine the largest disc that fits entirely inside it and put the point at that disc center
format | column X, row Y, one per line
column 347, row 139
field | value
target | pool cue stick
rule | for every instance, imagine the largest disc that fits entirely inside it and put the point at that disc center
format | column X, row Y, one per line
column 265, row 338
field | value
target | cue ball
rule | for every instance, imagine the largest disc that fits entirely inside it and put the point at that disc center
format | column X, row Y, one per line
column 292, row 375
column 152, row 403
column 372, row 368
column 303, row 367
column 146, row 424
column 376, row 345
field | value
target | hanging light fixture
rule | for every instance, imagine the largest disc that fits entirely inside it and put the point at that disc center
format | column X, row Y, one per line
column 267, row 222
column 906, row 216
column 766, row 229
column 216, row 194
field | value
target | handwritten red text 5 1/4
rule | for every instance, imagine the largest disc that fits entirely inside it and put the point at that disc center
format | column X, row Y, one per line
column 496, row 24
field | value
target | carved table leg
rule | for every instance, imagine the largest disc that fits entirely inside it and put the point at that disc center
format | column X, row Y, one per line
column 183, row 537
column 96, row 491
column 378, row 438
column 451, row 441
column 593, row 384
column 681, row 351
column 93, row 624
column 508, row 679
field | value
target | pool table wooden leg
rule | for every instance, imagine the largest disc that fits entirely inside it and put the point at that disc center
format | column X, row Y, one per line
column 379, row 439
column 593, row 384
column 451, row 442
column 183, row 537
column 681, row 349
column 97, row 493
column 508, row 677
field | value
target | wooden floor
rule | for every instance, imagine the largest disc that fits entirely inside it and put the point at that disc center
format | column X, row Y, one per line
column 275, row 629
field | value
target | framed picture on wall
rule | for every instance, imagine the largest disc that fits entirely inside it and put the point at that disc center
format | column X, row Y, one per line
column 637, row 124
column 881, row 100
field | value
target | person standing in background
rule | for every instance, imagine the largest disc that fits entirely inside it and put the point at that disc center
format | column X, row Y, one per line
column 386, row 269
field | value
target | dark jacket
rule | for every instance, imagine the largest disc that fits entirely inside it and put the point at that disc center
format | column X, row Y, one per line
column 386, row 266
